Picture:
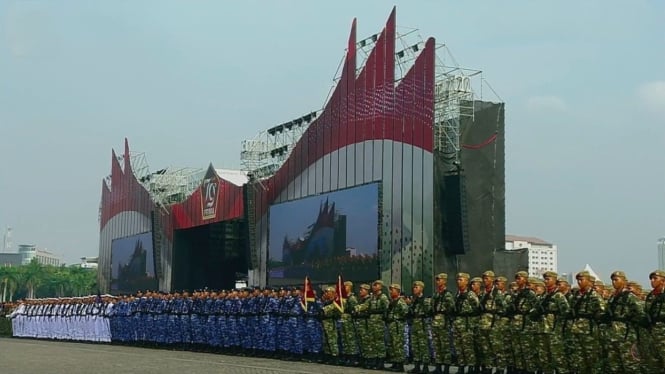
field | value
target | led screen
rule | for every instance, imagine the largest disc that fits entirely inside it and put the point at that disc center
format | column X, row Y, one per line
column 325, row 235
column 132, row 264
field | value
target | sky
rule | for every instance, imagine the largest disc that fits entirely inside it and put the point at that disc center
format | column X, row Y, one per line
column 187, row 81
column 360, row 205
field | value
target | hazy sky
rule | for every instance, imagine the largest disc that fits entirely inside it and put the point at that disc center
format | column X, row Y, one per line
column 186, row 81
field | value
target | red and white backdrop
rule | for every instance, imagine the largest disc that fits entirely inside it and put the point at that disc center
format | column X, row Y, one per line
column 373, row 129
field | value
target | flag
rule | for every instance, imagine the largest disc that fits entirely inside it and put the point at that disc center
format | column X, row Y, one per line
column 340, row 294
column 307, row 295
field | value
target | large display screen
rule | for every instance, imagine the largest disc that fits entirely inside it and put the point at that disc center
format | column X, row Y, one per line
column 133, row 264
column 325, row 235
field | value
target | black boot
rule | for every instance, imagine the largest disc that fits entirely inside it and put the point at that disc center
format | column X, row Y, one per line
column 416, row 369
column 437, row 369
column 425, row 369
column 380, row 364
column 460, row 370
column 446, row 369
column 399, row 368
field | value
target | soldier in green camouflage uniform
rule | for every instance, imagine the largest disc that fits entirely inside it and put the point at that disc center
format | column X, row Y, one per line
column 491, row 305
column 378, row 305
column 654, row 307
column 623, row 313
column 551, row 314
column 361, row 321
column 504, row 354
column 348, row 331
column 329, row 318
column 420, row 309
column 443, row 307
column 523, row 301
column 465, row 323
column 587, row 309
column 395, row 323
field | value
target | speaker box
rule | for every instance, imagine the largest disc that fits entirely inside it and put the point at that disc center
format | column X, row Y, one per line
column 455, row 217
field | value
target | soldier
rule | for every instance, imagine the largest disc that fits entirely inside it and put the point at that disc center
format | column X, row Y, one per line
column 378, row 305
column 395, row 323
column 476, row 285
column 329, row 315
column 587, row 309
column 624, row 313
column 654, row 307
column 360, row 317
column 348, row 330
column 489, row 340
column 420, row 309
column 552, row 312
column 505, row 356
column 467, row 309
column 523, row 301
column 443, row 307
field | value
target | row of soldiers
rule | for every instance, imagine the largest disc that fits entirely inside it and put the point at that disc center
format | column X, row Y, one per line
column 76, row 318
column 530, row 325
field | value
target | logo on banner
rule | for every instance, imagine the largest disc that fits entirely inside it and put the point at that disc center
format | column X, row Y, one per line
column 209, row 191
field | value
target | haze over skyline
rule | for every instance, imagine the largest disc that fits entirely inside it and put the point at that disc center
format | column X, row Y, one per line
column 186, row 82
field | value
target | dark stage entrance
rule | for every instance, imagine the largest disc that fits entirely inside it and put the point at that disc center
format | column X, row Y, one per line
column 209, row 256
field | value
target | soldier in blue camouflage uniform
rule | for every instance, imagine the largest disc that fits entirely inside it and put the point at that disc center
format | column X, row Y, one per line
column 465, row 323
column 268, row 322
column 443, row 308
column 587, row 309
column 314, row 333
column 420, row 309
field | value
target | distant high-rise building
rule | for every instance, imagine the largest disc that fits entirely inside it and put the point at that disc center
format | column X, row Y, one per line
column 661, row 253
column 543, row 256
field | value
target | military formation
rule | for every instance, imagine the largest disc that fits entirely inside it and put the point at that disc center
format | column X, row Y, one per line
column 488, row 325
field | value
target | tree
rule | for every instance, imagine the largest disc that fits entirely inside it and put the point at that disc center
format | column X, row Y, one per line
column 33, row 277
column 8, row 282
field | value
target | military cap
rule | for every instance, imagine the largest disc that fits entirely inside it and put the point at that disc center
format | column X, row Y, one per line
column 463, row 275
column 419, row 284
column 550, row 274
column 379, row 282
column 348, row 283
column 598, row 282
column 489, row 273
column 658, row 273
column 442, row 276
column 532, row 280
column 267, row 288
column 562, row 279
column 365, row 286
column 477, row 279
column 537, row 282
column 633, row 284
column 522, row 274
column 583, row 274
column 618, row 274
column 330, row 289
column 396, row 286
column 501, row 278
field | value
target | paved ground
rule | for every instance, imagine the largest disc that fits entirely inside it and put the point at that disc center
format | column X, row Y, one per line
column 21, row 356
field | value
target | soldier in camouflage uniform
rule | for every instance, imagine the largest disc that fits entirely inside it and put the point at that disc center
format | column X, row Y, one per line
column 552, row 313
column 378, row 305
column 624, row 313
column 476, row 285
column 465, row 323
column 443, row 307
column 420, row 309
column 489, row 340
column 505, row 356
column 654, row 307
column 587, row 309
column 361, row 321
column 523, row 301
column 395, row 322
column 348, row 330
column 330, row 313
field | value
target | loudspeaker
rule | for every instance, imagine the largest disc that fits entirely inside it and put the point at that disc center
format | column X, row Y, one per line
column 455, row 217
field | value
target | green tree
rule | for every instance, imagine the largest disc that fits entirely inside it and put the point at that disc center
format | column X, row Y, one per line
column 33, row 277
column 8, row 282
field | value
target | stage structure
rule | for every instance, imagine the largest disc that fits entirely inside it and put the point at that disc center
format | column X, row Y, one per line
column 405, row 136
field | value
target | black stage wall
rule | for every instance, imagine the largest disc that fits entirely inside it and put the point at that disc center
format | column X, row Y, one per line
column 209, row 256
column 471, row 209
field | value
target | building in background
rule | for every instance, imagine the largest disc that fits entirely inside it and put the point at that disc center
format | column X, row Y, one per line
column 543, row 256
column 25, row 254
column 661, row 253
column 89, row 262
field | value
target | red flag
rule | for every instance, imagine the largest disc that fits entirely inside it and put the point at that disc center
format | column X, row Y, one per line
column 307, row 295
column 340, row 294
